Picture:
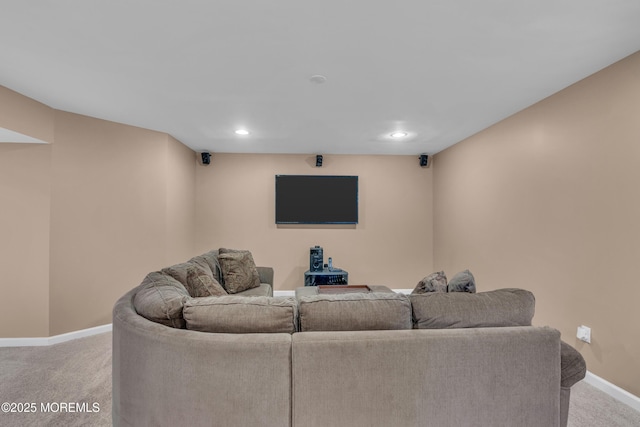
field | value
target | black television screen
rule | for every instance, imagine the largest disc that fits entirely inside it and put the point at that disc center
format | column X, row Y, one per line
column 316, row 199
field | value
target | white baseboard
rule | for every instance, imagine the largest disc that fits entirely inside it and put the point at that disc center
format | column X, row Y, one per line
column 613, row 390
column 284, row 293
column 56, row 339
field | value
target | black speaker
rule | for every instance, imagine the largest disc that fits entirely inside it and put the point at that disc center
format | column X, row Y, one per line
column 319, row 160
column 206, row 158
column 316, row 259
column 424, row 160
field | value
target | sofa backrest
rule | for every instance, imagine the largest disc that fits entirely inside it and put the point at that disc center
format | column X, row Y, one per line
column 450, row 377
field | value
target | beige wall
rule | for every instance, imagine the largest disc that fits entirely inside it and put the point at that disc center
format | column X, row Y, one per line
column 25, row 196
column 117, row 213
column 84, row 219
column 391, row 245
column 548, row 200
column 180, row 184
column 26, row 116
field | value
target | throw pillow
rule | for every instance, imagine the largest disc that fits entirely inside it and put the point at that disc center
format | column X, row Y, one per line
column 196, row 279
column 502, row 307
column 435, row 282
column 242, row 315
column 178, row 272
column 462, row 282
column 160, row 298
column 238, row 270
column 202, row 262
column 200, row 284
column 211, row 260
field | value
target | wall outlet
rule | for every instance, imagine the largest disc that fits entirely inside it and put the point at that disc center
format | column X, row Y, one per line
column 584, row 333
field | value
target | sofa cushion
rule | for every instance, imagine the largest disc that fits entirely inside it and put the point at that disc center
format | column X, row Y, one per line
column 502, row 307
column 239, row 271
column 160, row 299
column 354, row 312
column 462, row 282
column 435, row 282
column 237, row 314
column 196, row 279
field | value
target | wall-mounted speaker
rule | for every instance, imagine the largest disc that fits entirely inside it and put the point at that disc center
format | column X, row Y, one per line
column 424, row 160
column 206, row 158
column 319, row 160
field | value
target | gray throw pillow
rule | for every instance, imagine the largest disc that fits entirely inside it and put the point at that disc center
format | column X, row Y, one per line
column 202, row 262
column 178, row 272
column 210, row 259
column 200, row 284
column 435, row 282
column 196, row 279
column 238, row 270
column 502, row 307
column 462, row 282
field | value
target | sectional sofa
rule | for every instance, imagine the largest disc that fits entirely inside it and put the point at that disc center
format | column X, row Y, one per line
column 366, row 359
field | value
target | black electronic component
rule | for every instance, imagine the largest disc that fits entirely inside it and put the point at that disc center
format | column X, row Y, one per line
column 316, row 258
column 335, row 276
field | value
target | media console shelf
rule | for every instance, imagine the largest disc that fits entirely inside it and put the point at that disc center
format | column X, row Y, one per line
column 326, row 276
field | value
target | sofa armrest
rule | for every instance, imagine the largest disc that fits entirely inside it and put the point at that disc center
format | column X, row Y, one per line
column 210, row 375
column 266, row 275
column 573, row 368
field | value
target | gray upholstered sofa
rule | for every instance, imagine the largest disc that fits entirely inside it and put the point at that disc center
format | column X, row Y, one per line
column 378, row 359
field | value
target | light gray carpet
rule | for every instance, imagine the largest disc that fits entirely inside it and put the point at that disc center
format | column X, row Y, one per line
column 590, row 407
column 79, row 371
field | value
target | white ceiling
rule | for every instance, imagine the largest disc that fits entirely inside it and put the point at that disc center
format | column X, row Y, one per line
column 440, row 70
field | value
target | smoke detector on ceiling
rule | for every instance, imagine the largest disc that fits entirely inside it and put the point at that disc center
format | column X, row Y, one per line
column 317, row 79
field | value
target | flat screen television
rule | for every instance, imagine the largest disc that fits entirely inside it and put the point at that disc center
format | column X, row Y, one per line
column 316, row 199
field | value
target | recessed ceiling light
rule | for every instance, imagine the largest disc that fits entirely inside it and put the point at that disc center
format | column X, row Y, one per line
column 399, row 134
column 242, row 132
